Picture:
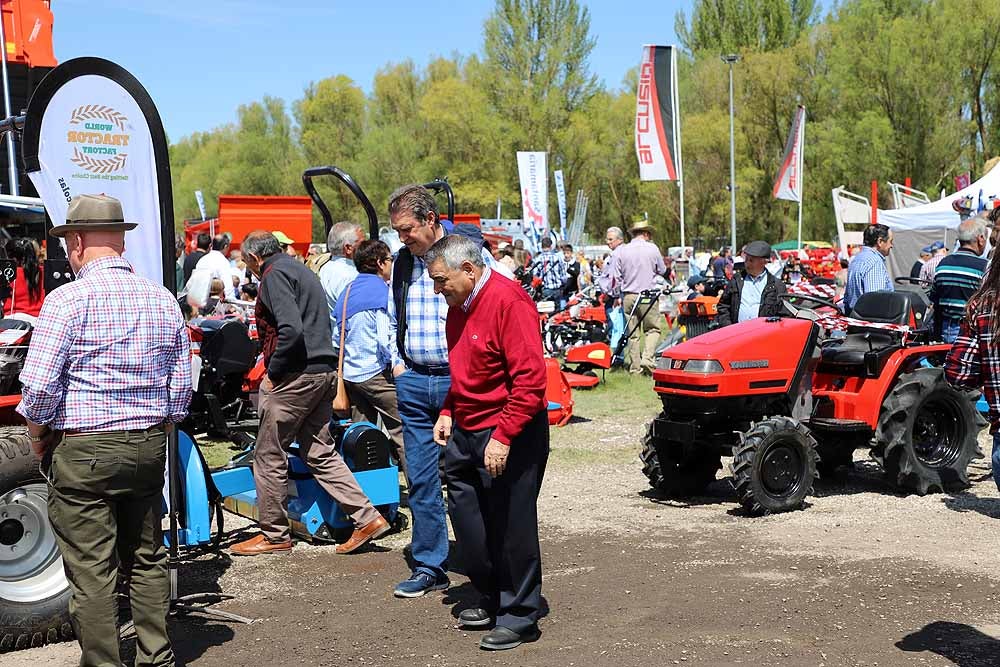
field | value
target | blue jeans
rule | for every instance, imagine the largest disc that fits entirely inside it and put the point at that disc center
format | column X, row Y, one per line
column 419, row 398
column 996, row 459
column 949, row 330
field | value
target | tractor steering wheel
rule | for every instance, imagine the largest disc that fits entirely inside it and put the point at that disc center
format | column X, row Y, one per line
column 908, row 280
column 786, row 297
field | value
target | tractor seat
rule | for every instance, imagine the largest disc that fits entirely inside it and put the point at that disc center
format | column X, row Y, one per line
column 889, row 308
column 229, row 349
column 846, row 356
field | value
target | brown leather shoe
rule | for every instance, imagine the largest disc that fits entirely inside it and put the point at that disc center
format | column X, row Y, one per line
column 363, row 535
column 258, row 545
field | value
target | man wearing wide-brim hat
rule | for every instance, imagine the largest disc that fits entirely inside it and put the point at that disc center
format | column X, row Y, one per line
column 753, row 291
column 637, row 265
column 107, row 375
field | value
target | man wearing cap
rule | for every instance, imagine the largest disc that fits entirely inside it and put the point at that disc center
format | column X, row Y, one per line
column 103, row 384
column 867, row 271
column 930, row 266
column 636, row 267
column 925, row 254
column 285, row 243
column 696, row 284
column 753, row 291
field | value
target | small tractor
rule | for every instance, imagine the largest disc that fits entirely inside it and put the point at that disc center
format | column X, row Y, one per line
column 789, row 402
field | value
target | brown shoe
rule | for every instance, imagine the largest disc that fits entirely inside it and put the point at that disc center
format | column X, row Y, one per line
column 363, row 535
column 258, row 545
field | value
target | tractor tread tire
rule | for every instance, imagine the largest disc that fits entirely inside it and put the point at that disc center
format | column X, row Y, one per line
column 745, row 472
column 894, row 450
column 28, row 624
column 676, row 480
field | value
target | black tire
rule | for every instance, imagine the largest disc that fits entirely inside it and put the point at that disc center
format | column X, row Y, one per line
column 775, row 466
column 677, row 479
column 927, row 433
column 34, row 593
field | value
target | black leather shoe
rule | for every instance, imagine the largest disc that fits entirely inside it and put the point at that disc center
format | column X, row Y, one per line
column 501, row 638
column 475, row 618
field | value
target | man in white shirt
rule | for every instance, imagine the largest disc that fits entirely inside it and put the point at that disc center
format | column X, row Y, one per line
column 216, row 263
column 340, row 271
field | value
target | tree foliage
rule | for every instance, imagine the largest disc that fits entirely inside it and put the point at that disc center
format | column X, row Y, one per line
column 893, row 89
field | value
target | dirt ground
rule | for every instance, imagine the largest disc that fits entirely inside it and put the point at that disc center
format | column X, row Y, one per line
column 861, row 577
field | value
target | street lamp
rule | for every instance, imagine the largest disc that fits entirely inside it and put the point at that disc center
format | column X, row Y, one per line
column 731, row 59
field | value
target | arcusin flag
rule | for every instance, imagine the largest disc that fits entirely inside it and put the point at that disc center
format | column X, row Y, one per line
column 788, row 185
column 657, row 135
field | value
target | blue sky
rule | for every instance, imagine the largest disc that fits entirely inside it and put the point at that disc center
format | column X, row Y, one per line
column 201, row 60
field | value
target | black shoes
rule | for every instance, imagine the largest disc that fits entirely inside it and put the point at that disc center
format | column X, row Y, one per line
column 501, row 638
column 475, row 618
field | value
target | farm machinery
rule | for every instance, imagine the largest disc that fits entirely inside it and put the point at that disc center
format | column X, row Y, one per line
column 792, row 398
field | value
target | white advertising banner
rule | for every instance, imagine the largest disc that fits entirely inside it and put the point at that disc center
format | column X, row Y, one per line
column 95, row 138
column 788, row 185
column 532, row 173
column 561, row 199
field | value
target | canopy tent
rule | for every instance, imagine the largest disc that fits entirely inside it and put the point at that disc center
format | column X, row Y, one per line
column 915, row 226
column 793, row 245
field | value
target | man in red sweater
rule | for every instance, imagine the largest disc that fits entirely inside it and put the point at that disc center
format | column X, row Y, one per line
column 495, row 428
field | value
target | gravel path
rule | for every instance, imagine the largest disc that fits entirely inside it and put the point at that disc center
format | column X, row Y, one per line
column 863, row 576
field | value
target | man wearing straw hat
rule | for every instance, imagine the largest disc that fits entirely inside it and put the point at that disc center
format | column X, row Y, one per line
column 637, row 264
column 103, row 384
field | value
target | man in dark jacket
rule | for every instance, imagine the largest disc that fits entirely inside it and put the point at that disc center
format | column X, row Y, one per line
column 296, row 399
column 203, row 243
column 753, row 292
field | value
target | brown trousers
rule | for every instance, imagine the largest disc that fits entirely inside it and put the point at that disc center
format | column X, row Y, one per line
column 374, row 398
column 645, row 333
column 298, row 409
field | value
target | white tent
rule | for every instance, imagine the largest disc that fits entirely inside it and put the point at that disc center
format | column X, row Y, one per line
column 915, row 226
column 939, row 214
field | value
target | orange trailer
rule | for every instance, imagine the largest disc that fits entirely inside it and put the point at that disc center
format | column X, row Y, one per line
column 241, row 214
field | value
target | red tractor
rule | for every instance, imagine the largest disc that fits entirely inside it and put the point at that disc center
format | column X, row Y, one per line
column 788, row 402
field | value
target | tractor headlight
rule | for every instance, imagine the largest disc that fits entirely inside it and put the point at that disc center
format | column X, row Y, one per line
column 702, row 366
column 663, row 364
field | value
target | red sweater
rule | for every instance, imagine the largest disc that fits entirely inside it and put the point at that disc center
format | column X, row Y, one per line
column 498, row 374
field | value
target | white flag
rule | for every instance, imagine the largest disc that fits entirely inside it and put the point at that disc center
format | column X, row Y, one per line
column 789, row 183
column 534, row 189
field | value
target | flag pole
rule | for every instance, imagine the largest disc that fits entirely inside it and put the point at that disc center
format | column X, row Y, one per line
column 802, row 164
column 677, row 138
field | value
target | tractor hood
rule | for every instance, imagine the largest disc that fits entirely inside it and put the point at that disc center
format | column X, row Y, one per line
column 758, row 356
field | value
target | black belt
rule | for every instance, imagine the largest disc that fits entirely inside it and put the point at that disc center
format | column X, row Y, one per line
column 430, row 370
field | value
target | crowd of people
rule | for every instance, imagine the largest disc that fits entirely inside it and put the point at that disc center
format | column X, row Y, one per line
column 439, row 342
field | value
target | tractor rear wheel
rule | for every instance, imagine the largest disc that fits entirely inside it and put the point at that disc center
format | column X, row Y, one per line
column 34, row 592
column 774, row 467
column 675, row 479
column 927, row 433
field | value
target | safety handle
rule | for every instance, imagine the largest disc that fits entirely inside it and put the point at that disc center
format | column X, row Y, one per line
column 441, row 185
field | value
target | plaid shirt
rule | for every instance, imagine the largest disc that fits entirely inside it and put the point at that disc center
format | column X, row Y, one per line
column 551, row 268
column 426, row 314
column 974, row 362
column 110, row 352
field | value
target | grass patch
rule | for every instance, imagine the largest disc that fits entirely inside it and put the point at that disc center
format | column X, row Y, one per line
column 622, row 395
column 216, row 452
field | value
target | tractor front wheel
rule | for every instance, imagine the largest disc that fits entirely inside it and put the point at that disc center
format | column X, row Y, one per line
column 927, row 433
column 774, row 467
column 677, row 479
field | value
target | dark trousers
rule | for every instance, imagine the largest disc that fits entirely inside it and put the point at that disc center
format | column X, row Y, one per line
column 105, row 505
column 496, row 520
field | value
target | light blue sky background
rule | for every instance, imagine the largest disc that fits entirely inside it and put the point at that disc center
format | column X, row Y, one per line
column 201, row 59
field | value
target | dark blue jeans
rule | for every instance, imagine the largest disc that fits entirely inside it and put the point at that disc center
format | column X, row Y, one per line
column 419, row 398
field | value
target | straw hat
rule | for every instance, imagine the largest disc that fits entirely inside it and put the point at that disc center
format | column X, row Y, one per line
column 91, row 213
column 640, row 226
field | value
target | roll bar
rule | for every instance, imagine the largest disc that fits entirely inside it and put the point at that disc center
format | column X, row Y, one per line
column 355, row 189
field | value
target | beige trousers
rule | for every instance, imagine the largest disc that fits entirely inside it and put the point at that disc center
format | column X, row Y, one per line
column 646, row 333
